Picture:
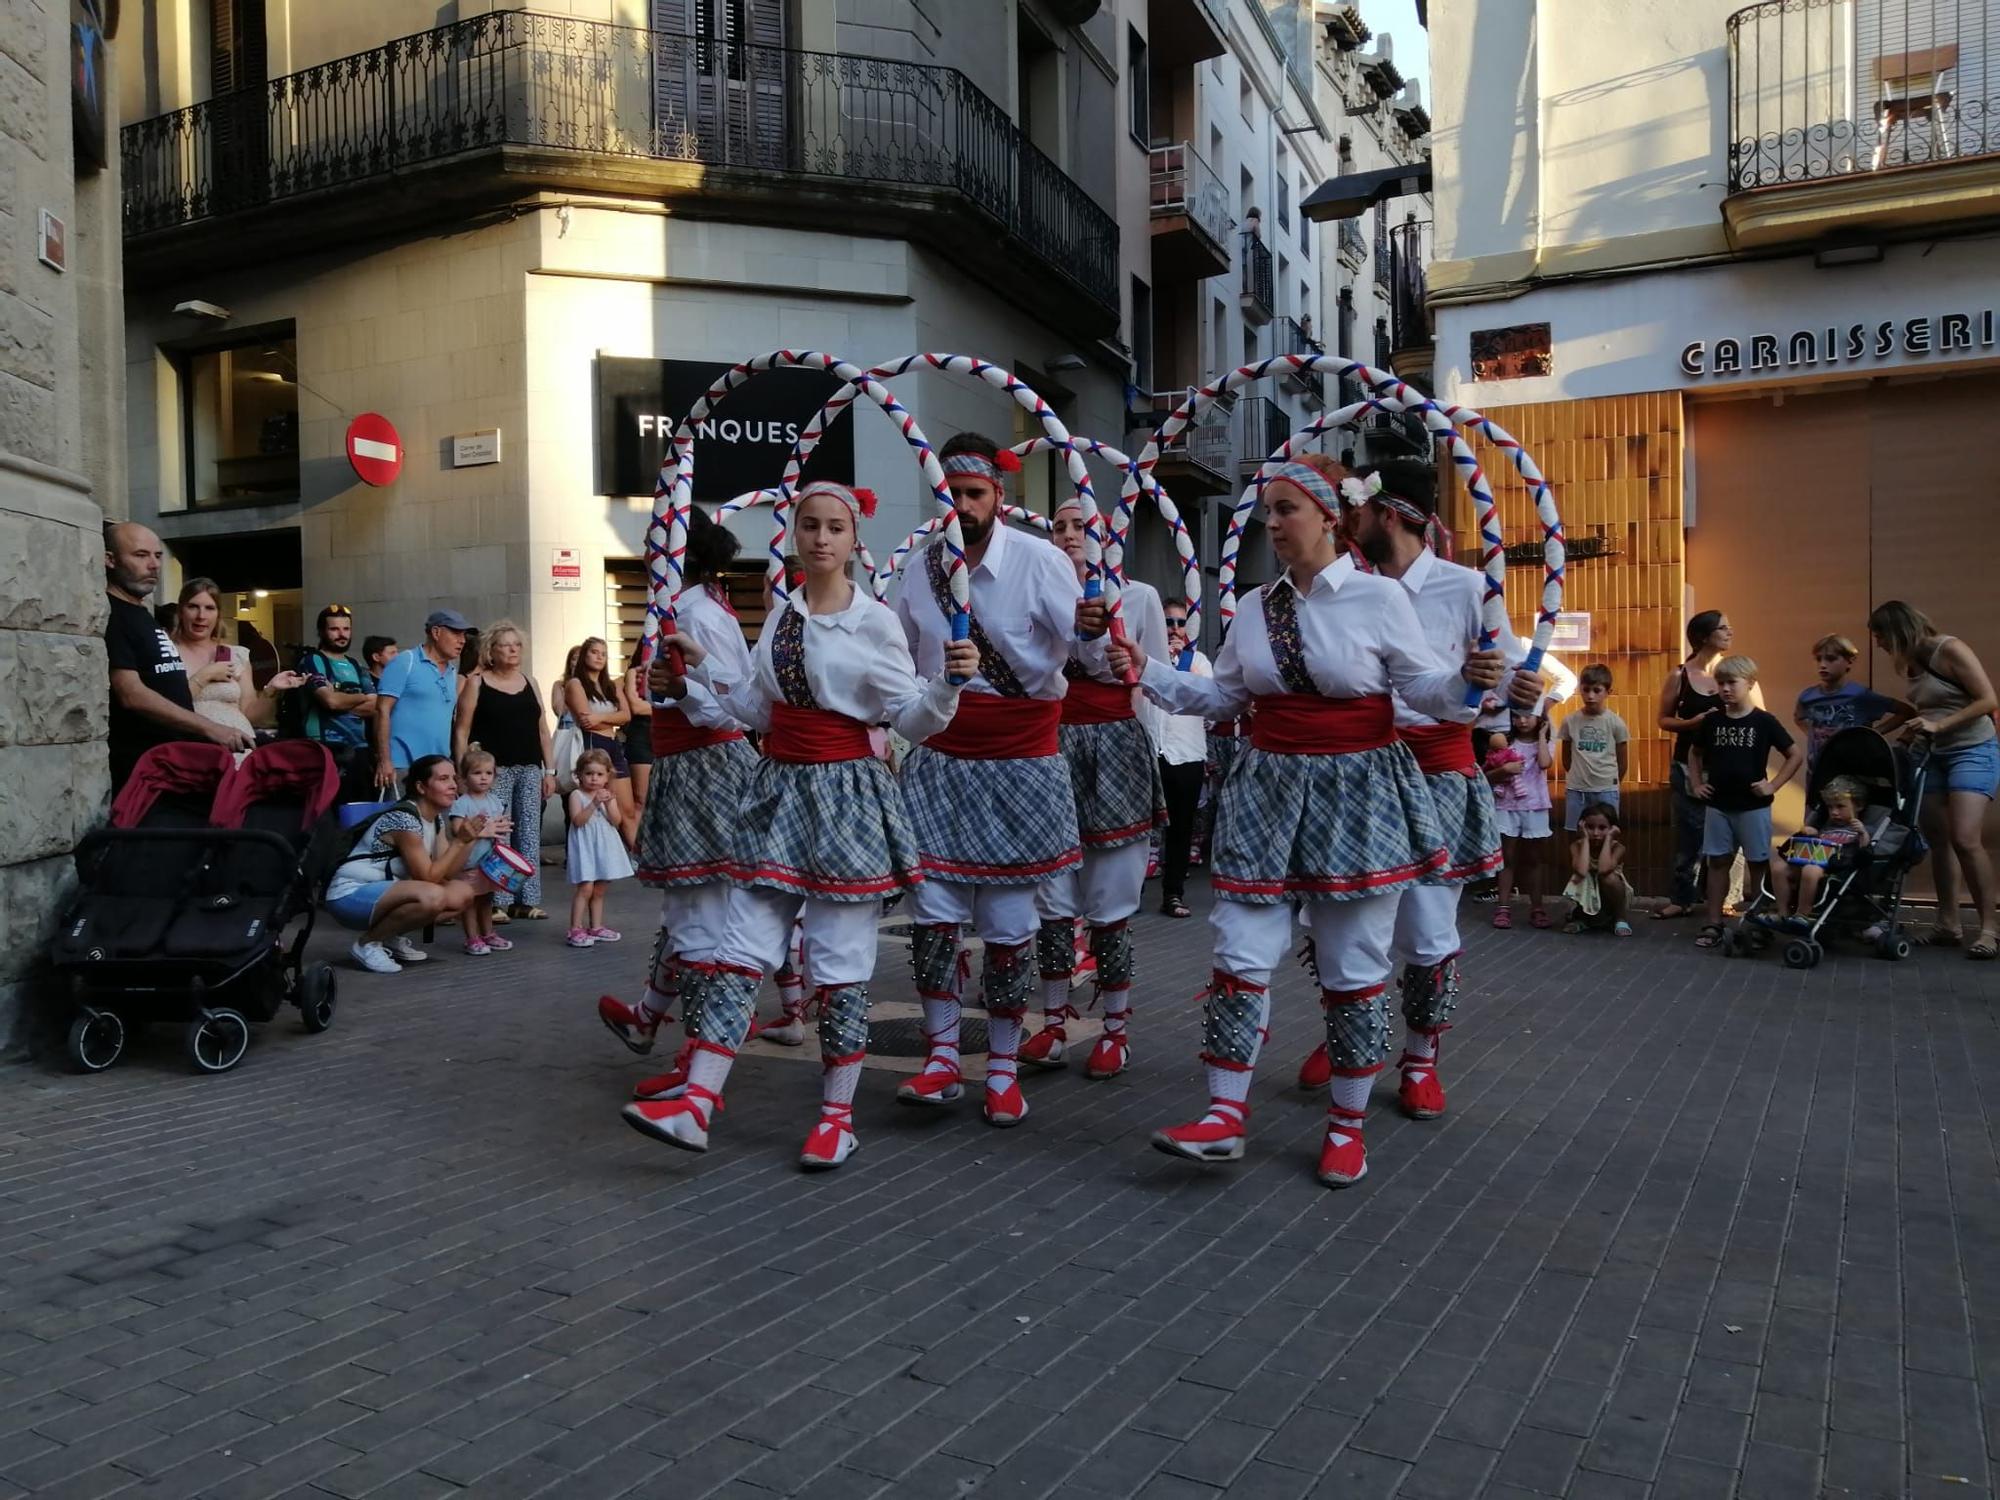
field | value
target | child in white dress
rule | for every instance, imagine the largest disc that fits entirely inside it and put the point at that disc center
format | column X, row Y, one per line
column 596, row 850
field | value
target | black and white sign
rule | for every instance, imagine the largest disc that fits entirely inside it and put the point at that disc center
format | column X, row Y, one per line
column 742, row 447
column 1843, row 344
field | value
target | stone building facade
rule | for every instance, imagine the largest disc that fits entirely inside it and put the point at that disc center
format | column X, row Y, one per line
column 61, row 463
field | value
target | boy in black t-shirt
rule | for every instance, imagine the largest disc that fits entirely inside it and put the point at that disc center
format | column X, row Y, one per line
column 1728, row 768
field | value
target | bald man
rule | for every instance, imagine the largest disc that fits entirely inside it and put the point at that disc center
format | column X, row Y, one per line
column 150, row 701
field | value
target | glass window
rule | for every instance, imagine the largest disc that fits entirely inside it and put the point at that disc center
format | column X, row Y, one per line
column 1138, row 87
column 241, row 408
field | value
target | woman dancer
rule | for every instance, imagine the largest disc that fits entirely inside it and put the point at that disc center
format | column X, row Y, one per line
column 1326, row 806
column 701, row 766
column 821, row 830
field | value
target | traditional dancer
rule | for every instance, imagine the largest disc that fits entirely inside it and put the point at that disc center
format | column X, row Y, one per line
column 820, row 833
column 701, row 768
column 1389, row 515
column 1327, row 807
column 1119, row 800
column 990, row 797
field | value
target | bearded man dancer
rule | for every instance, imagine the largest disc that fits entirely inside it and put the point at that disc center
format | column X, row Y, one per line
column 1389, row 515
column 1116, row 778
column 989, row 797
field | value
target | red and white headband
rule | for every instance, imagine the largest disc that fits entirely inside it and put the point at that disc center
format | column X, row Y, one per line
column 859, row 502
column 979, row 466
column 1363, row 491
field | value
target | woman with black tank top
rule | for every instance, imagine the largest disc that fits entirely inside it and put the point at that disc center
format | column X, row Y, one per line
column 1687, row 697
column 501, row 711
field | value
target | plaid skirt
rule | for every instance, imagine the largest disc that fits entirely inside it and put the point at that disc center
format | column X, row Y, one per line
column 836, row 831
column 1324, row 827
column 1464, row 806
column 687, row 834
column 1224, row 750
column 1115, row 774
column 991, row 822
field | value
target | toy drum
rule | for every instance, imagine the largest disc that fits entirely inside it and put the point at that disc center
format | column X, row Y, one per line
column 1811, row 852
column 506, row 870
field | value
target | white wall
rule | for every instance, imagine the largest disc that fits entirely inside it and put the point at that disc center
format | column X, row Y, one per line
column 1555, row 129
column 1618, row 337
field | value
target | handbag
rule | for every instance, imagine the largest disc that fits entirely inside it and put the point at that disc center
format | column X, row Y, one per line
column 569, row 744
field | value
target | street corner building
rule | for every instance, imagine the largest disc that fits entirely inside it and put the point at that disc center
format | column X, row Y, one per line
column 412, row 308
column 1727, row 271
column 62, row 458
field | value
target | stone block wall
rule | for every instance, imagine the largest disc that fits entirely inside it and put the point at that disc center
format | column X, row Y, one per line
column 61, row 431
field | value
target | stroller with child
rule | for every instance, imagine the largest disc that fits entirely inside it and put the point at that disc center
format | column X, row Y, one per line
column 1862, row 890
column 185, row 900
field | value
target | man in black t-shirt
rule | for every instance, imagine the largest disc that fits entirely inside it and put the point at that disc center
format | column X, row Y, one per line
column 150, row 701
column 1729, row 759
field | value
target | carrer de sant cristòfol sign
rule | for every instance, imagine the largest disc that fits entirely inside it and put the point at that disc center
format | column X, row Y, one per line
column 743, row 446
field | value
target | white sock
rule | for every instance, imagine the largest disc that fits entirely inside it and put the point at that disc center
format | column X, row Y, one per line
column 1114, row 1020
column 709, row 1070
column 1055, row 998
column 941, row 1026
column 1420, row 1053
column 839, row 1084
column 659, row 1003
column 1351, row 1094
column 1003, row 1041
column 1228, row 1088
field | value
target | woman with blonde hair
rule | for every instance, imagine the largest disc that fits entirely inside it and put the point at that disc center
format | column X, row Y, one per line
column 500, row 710
column 218, row 676
column 1955, row 702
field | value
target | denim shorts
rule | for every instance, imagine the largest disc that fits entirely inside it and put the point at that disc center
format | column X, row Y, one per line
column 1969, row 768
column 1576, row 799
column 1723, row 833
column 355, row 909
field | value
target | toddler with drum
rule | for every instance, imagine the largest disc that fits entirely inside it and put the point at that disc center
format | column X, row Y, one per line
column 1814, row 849
column 476, row 773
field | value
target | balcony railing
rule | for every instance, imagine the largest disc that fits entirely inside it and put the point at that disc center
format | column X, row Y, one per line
column 1259, row 301
column 518, row 79
column 1409, row 314
column 1186, row 186
column 1823, row 89
column 1203, row 453
column 1353, row 242
column 1264, row 427
column 1295, row 337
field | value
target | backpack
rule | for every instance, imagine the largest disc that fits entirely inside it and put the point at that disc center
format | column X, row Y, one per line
column 356, row 848
column 295, row 707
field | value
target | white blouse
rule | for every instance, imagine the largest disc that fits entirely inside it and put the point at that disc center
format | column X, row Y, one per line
column 703, row 619
column 1024, row 595
column 856, row 664
column 1360, row 637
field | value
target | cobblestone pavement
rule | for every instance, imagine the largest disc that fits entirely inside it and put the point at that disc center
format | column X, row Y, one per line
column 1692, row 1228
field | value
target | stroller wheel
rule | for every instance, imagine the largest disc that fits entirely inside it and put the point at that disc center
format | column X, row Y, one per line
column 96, row 1041
column 315, row 997
column 1801, row 953
column 1893, row 946
column 216, row 1040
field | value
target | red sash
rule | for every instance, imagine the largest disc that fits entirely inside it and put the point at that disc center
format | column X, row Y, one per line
column 1440, row 749
column 1094, row 702
column 1228, row 729
column 813, row 736
column 1307, row 724
column 672, row 734
column 988, row 727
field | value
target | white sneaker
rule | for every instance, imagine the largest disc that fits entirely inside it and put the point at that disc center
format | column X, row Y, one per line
column 408, row 951
column 375, row 958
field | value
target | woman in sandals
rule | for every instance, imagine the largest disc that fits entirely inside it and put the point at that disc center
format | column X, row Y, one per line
column 1687, row 698
column 1955, row 703
column 821, row 833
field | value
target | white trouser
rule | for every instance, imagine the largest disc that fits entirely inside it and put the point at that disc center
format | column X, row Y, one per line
column 1427, row 925
column 839, row 935
column 1002, row 915
column 1350, row 939
column 1107, row 887
column 694, row 917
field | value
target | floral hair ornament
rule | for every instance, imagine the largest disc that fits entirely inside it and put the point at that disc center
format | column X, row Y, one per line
column 1355, row 491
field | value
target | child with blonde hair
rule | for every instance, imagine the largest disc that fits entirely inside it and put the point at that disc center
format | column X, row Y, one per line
column 476, row 773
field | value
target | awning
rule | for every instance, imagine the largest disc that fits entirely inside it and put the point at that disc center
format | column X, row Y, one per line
column 1351, row 196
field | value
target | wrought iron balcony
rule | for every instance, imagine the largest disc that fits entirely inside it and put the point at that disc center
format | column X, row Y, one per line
column 1878, row 115
column 1191, row 221
column 1410, row 336
column 1295, row 337
column 1258, row 298
column 547, row 100
column 1202, row 459
column 1353, row 242
column 1264, row 426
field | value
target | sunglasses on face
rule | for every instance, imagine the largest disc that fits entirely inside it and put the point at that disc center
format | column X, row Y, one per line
column 337, row 612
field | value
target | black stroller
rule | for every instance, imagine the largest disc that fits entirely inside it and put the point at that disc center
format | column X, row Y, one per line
column 1863, row 889
column 186, row 897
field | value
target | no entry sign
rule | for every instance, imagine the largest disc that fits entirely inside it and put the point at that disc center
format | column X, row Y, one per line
column 374, row 449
